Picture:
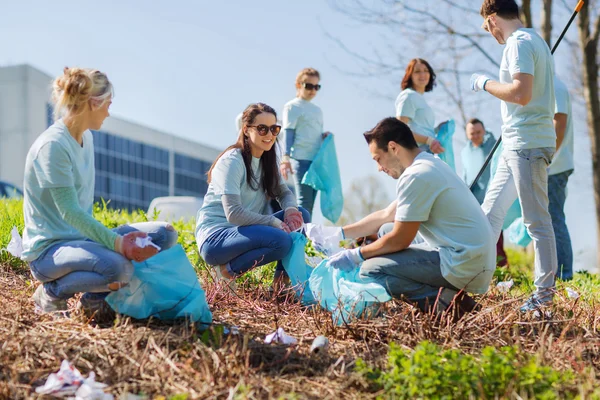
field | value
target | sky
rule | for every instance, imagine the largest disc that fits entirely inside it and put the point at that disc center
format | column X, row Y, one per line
column 189, row 67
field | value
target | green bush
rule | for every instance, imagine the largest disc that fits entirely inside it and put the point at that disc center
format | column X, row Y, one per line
column 429, row 371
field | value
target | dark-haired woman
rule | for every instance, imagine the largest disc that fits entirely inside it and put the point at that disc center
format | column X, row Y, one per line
column 411, row 107
column 232, row 232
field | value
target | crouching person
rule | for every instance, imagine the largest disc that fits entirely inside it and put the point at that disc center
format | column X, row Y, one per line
column 233, row 233
column 67, row 249
column 459, row 251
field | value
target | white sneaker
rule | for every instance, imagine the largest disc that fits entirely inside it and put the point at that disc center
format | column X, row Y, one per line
column 44, row 303
column 227, row 281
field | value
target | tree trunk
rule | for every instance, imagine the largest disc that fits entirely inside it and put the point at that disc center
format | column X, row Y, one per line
column 588, row 37
column 547, row 22
column 526, row 13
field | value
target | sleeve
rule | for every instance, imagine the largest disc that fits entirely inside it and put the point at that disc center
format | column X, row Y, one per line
column 285, row 197
column 228, row 175
column 520, row 57
column 65, row 199
column 290, row 137
column 405, row 105
column 415, row 199
column 291, row 114
column 562, row 99
column 236, row 214
column 53, row 166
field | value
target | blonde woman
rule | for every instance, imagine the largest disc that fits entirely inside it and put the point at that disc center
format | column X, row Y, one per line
column 67, row 249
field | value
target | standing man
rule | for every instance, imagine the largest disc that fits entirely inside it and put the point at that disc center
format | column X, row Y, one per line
column 457, row 254
column 526, row 89
column 558, row 175
column 473, row 156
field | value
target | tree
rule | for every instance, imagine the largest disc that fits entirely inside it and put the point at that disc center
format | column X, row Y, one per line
column 364, row 197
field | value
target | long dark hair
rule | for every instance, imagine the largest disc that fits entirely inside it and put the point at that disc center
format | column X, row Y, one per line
column 270, row 171
column 407, row 80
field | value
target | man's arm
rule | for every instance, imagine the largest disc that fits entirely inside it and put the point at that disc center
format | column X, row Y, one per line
column 398, row 239
column 518, row 92
column 371, row 223
column 560, row 126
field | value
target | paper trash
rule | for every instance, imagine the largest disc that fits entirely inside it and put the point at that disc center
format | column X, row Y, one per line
column 280, row 336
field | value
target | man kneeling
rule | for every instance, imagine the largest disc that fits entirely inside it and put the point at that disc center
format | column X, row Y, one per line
column 458, row 253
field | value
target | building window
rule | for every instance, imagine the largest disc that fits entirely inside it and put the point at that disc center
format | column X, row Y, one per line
column 190, row 176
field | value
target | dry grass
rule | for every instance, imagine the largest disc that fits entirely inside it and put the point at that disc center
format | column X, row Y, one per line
column 157, row 358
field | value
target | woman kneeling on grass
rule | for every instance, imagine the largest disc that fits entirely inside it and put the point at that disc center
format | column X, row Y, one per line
column 232, row 232
column 67, row 249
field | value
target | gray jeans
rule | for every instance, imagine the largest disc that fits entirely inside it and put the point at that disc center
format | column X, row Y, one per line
column 523, row 174
column 79, row 266
column 413, row 274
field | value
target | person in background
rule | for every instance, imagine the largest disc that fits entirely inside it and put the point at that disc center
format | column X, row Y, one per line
column 67, row 249
column 558, row 176
column 303, row 125
column 480, row 143
column 232, row 233
column 412, row 108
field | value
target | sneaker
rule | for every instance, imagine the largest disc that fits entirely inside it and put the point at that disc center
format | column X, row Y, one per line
column 96, row 309
column 44, row 303
column 220, row 271
column 538, row 306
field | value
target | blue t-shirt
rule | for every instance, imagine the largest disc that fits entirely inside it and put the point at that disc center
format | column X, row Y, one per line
column 412, row 104
column 473, row 158
column 529, row 126
column 452, row 222
column 563, row 159
column 229, row 177
column 55, row 160
column 307, row 120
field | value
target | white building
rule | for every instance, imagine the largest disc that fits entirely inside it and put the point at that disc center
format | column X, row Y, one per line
column 134, row 163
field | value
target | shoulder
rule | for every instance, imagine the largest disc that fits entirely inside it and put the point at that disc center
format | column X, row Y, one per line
column 407, row 94
column 52, row 140
column 295, row 103
column 423, row 168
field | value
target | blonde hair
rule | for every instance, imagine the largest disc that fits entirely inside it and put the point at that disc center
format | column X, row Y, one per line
column 76, row 87
column 306, row 72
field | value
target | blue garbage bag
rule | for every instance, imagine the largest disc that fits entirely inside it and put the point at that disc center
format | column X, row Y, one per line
column 165, row 287
column 517, row 233
column 444, row 136
column 345, row 294
column 298, row 270
column 324, row 176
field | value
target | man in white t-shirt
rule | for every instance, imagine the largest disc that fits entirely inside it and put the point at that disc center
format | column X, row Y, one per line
column 458, row 253
column 526, row 91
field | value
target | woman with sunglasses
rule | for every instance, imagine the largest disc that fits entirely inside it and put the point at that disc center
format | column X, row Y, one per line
column 303, row 125
column 232, row 232
column 411, row 107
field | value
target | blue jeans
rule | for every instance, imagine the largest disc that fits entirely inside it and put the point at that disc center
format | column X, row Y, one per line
column 71, row 267
column 523, row 174
column 557, row 194
column 305, row 194
column 246, row 247
column 413, row 274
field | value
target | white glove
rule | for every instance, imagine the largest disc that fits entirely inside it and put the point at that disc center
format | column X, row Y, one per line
column 478, row 82
column 346, row 260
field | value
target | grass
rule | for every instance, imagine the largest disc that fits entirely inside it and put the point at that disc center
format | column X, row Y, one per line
column 495, row 353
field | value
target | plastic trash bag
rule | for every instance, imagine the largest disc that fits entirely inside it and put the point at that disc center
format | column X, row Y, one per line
column 324, row 176
column 165, row 287
column 517, row 233
column 298, row 270
column 444, row 136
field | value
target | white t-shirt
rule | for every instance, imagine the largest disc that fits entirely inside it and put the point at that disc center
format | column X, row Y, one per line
column 229, row 177
column 307, row 120
column 412, row 104
column 452, row 221
column 529, row 126
column 563, row 159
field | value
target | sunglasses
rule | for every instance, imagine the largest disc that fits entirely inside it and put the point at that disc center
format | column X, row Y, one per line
column 263, row 129
column 310, row 86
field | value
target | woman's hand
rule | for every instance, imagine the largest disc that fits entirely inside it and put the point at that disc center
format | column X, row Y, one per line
column 284, row 227
column 285, row 167
column 325, row 134
column 435, row 146
column 131, row 251
column 293, row 219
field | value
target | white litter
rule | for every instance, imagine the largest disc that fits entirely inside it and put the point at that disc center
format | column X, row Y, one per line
column 504, row 287
column 572, row 294
column 15, row 246
column 326, row 239
column 68, row 381
column 232, row 330
column 280, row 336
column 145, row 242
